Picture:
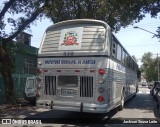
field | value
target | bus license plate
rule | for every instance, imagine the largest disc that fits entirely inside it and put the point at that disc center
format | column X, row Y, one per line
column 67, row 92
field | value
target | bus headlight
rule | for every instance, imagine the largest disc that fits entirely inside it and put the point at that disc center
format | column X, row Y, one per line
column 100, row 80
column 100, row 89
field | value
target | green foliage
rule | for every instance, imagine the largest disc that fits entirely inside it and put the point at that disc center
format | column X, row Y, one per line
column 117, row 13
column 19, row 15
column 149, row 67
column 158, row 32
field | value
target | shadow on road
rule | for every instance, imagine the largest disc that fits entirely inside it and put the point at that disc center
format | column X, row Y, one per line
column 66, row 117
column 143, row 102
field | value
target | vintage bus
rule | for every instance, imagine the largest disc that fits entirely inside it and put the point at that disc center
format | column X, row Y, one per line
column 83, row 67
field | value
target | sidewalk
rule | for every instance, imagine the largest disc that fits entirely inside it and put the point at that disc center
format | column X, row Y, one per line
column 21, row 102
column 21, row 110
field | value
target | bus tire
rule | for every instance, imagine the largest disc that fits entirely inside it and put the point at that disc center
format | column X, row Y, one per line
column 120, row 108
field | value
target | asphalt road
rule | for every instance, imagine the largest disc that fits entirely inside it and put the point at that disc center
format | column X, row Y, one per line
column 141, row 106
column 141, row 109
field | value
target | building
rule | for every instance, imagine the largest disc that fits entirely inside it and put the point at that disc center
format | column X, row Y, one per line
column 25, row 64
column 24, row 38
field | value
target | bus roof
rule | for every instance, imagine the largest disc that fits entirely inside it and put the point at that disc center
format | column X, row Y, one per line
column 77, row 21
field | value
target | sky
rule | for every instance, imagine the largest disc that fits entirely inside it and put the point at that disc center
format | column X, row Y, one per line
column 136, row 41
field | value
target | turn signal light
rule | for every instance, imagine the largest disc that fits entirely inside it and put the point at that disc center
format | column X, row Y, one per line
column 37, row 94
column 100, row 99
column 38, row 70
column 101, row 71
column 45, row 70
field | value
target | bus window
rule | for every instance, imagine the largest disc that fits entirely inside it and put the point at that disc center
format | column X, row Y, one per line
column 126, row 58
column 123, row 56
column 131, row 63
column 133, row 66
column 114, row 46
column 128, row 61
column 119, row 52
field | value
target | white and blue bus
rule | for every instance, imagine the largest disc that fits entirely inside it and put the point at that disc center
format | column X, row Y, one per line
column 83, row 67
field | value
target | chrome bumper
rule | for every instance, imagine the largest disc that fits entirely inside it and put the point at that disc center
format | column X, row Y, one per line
column 72, row 106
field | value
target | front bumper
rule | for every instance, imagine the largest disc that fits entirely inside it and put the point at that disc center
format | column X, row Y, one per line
column 73, row 106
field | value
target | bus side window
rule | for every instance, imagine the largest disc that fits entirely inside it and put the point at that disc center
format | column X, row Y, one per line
column 114, row 47
column 125, row 59
column 123, row 56
column 119, row 52
column 128, row 61
column 131, row 63
column 133, row 66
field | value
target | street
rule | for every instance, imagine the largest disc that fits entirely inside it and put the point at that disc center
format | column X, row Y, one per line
column 141, row 107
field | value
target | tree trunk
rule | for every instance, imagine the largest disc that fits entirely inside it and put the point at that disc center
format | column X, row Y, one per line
column 9, row 87
column 6, row 70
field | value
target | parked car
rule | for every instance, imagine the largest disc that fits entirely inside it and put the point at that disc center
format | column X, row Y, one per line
column 158, row 101
column 30, row 89
column 155, row 89
column 150, row 85
column 152, row 89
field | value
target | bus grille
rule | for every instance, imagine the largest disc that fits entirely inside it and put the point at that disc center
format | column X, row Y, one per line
column 86, row 86
column 50, row 85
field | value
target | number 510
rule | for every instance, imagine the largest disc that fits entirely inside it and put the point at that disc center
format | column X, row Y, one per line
column 68, row 53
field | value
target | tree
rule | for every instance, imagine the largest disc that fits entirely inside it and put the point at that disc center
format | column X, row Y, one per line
column 29, row 11
column 117, row 13
column 158, row 32
column 148, row 67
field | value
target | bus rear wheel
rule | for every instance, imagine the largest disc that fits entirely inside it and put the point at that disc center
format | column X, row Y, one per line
column 120, row 108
